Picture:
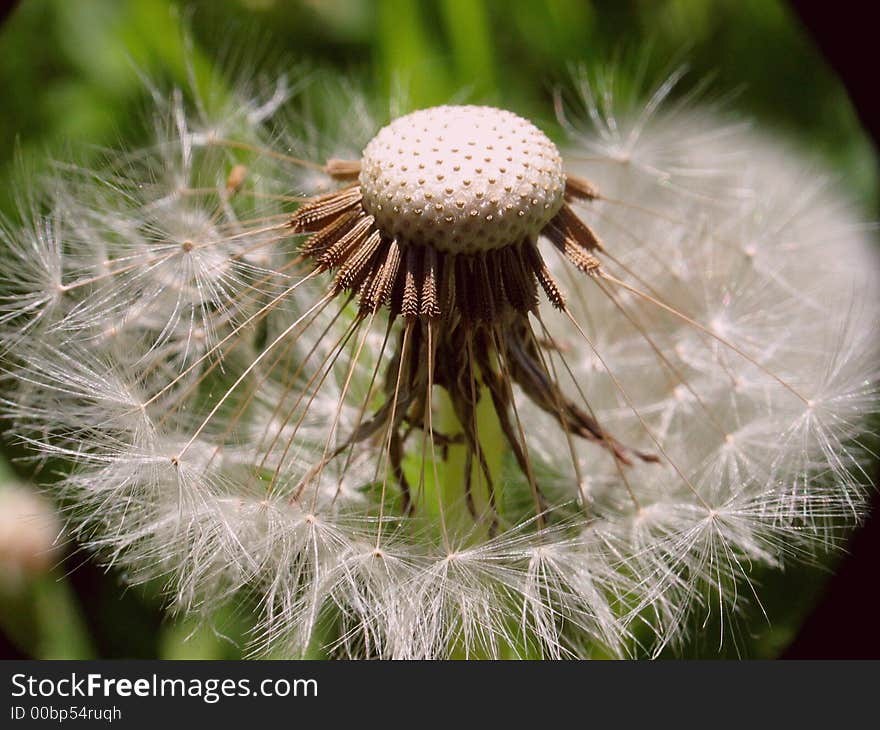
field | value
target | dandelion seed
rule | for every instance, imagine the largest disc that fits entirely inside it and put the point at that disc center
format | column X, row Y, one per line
column 467, row 396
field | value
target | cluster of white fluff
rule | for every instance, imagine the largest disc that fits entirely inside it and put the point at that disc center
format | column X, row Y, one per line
column 187, row 381
column 29, row 529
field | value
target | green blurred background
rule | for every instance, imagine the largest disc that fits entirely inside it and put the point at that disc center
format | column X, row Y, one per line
column 71, row 82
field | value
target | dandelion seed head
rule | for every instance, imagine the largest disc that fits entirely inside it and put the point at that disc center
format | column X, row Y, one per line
column 581, row 398
column 29, row 532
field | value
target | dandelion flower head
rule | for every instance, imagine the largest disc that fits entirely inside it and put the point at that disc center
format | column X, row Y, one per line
column 449, row 390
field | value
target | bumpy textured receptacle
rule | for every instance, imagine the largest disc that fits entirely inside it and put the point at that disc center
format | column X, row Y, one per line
column 462, row 179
